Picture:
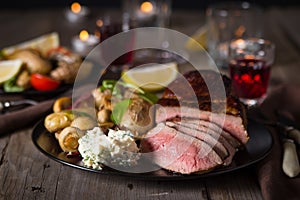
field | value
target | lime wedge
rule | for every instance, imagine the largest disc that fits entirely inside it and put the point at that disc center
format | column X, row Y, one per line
column 9, row 68
column 151, row 77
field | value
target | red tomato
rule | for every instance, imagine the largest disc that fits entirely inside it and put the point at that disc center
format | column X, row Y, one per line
column 43, row 83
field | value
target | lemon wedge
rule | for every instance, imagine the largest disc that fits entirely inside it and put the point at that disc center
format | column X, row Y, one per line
column 42, row 43
column 9, row 68
column 151, row 77
column 199, row 37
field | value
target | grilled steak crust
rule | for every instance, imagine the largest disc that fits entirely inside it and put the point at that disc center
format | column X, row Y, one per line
column 178, row 152
column 230, row 105
column 195, row 79
column 191, row 90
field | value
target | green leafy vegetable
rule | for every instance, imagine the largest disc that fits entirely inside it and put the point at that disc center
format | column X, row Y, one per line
column 150, row 97
column 109, row 84
column 119, row 110
column 128, row 85
column 10, row 86
column 121, row 107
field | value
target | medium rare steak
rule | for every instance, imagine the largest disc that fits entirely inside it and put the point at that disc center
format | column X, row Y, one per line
column 178, row 152
column 210, row 127
column 191, row 91
column 201, row 124
column 233, row 124
column 189, row 128
column 207, row 138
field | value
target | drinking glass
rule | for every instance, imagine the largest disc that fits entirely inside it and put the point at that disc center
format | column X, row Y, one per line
column 110, row 24
column 227, row 21
column 250, row 62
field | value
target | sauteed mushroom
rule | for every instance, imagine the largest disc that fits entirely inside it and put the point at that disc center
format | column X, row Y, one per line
column 62, row 104
column 57, row 121
column 84, row 123
column 68, row 139
column 139, row 117
column 104, row 115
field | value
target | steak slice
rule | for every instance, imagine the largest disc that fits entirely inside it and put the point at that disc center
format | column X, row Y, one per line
column 178, row 152
column 233, row 124
column 207, row 138
column 212, row 127
column 192, row 128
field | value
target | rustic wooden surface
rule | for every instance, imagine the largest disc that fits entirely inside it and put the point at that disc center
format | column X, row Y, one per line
column 26, row 173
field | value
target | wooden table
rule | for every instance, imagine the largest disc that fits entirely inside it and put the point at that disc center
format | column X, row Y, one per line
column 26, row 173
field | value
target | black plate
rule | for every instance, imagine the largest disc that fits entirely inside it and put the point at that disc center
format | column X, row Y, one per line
column 256, row 149
column 33, row 92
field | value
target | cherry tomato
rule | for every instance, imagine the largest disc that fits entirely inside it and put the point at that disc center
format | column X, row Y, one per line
column 43, row 83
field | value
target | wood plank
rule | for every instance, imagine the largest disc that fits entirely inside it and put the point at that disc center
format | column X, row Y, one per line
column 234, row 185
column 114, row 187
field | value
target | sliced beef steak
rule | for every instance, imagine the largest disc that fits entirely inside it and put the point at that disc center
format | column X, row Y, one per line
column 207, row 138
column 178, row 152
column 210, row 127
column 201, row 124
column 200, row 130
column 233, row 124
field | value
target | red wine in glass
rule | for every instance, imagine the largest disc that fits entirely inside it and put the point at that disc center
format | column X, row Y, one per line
column 110, row 26
column 249, row 77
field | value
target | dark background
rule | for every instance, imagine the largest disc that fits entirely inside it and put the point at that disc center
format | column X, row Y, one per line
column 176, row 4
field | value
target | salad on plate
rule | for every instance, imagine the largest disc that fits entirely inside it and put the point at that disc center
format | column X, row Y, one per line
column 40, row 64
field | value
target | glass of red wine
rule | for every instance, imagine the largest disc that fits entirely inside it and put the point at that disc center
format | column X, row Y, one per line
column 250, row 63
column 108, row 25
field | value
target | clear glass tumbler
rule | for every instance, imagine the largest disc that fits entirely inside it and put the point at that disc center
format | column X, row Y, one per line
column 250, row 62
column 227, row 21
